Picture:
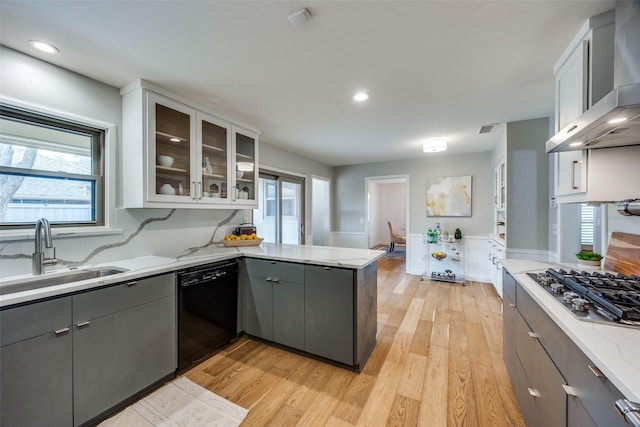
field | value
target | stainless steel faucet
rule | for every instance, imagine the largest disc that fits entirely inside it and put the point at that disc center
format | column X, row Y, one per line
column 39, row 260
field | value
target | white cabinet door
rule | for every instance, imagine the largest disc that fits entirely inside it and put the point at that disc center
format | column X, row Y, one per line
column 571, row 172
column 571, row 86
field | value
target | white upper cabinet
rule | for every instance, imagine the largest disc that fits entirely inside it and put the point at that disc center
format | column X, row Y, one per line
column 176, row 155
column 583, row 75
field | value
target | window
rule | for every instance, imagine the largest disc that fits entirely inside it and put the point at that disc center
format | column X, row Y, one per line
column 280, row 216
column 50, row 168
column 587, row 223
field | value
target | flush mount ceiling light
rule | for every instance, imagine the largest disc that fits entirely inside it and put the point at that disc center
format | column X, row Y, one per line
column 434, row 145
column 244, row 166
column 43, row 46
column 361, row 96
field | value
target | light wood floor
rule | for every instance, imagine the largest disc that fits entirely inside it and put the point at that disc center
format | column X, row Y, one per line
column 437, row 362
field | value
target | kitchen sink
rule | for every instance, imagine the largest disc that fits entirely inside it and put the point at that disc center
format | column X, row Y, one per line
column 60, row 279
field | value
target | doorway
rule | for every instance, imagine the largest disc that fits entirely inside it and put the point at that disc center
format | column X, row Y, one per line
column 280, row 215
column 386, row 200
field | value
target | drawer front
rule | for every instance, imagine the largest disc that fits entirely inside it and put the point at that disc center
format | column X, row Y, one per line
column 112, row 299
column 509, row 319
column 283, row 271
column 554, row 341
column 508, row 285
column 596, row 394
column 544, row 398
column 28, row 321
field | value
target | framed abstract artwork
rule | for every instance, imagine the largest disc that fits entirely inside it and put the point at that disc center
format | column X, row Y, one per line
column 449, row 196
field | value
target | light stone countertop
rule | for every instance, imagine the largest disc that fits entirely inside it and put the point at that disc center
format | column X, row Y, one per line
column 613, row 348
column 152, row 265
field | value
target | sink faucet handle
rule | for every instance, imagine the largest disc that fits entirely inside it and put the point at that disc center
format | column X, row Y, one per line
column 51, row 261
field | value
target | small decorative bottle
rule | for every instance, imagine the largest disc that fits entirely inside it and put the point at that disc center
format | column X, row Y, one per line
column 207, row 166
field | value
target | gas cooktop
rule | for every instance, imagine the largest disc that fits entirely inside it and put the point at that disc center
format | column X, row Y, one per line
column 595, row 296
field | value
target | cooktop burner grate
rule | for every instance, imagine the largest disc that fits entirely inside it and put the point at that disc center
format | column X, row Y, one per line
column 609, row 297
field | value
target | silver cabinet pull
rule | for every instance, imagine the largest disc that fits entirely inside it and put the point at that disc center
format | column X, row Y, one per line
column 512, row 305
column 193, row 190
column 275, row 280
column 132, row 283
column 569, row 390
column 533, row 334
column 533, row 392
column 269, row 279
column 326, row 268
column 83, row 324
column 574, row 185
column 596, row 371
column 62, row 331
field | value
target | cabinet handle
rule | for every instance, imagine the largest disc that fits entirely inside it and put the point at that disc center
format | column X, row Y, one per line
column 193, row 190
column 60, row 332
column 275, row 280
column 199, row 189
column 83, row 324
column 533, row 392
column 573, row 174
column 326, row 268
column 596, row 371
column 569, row 390
column 532, row 335
column 268, row 279
column 132, row 283
column 512, row 305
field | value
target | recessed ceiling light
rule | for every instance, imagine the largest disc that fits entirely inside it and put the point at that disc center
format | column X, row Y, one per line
column 434, row 145
column 361, row 96
column 618, row 120
column 43, row 46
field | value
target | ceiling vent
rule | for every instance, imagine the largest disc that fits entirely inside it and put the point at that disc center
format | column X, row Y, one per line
column 488, row 128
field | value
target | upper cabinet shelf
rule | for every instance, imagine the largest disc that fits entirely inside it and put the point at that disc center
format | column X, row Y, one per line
column 204, row 154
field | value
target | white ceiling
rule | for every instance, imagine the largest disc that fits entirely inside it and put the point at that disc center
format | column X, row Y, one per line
column 433, row 68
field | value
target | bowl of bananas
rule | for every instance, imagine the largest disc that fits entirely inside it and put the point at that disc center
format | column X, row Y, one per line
column 438, row 255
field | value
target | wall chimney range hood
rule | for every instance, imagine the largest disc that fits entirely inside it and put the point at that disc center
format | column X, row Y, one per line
column 614, row 121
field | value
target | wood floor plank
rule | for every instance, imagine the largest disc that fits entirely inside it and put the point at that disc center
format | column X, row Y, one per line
column 413, row 375
column 437, row 362
column 434, row 403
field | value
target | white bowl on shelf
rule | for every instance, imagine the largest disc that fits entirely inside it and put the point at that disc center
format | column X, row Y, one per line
column 165, row 161
column 239, row 174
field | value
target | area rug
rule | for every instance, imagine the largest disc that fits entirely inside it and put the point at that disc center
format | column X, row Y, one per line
column 179, row 403
column 398, row 252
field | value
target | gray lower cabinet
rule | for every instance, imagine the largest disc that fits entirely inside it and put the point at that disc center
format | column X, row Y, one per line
column 66, row 361
column 273, row 306
column 553, row 380
column 124, row 341
column 325, row 311
column 35, row 364
column 329, row 313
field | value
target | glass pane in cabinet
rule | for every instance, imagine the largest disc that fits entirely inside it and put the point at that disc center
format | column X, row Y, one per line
column 245, row 167
column 173, row 161
column 214, row 160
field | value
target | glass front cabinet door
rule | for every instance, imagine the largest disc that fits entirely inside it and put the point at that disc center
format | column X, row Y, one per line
column 171, row 150
column 214, row 159
column 245, row 166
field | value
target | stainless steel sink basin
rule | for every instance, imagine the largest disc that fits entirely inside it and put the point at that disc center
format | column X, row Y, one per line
column 60, row 279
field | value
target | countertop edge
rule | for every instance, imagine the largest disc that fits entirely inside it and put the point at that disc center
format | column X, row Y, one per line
column 154, row 265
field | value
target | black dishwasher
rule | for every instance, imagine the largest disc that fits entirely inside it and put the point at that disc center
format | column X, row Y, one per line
column 207, row 310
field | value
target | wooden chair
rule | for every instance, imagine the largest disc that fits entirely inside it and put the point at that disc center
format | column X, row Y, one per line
column 394, row 238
